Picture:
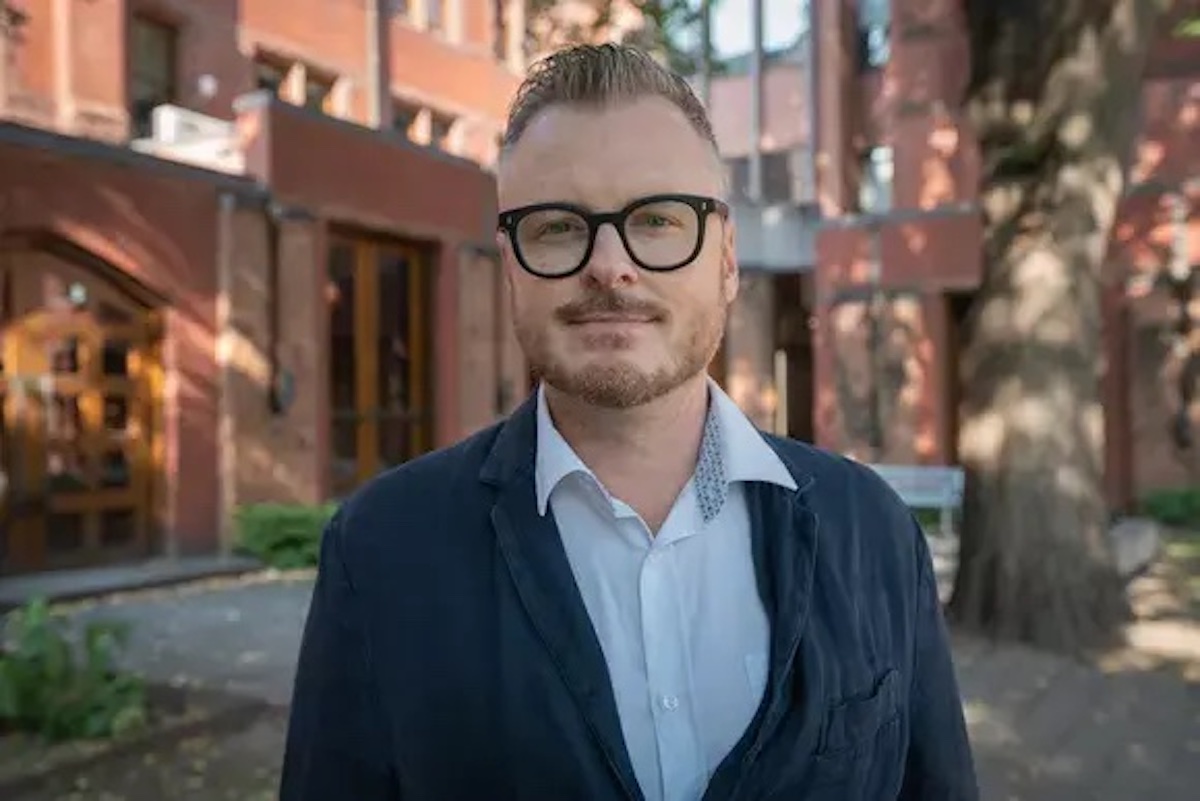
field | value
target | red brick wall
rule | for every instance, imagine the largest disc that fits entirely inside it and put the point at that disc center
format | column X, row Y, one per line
column 160, row 229
column 359, row 175
column 69, row 63
column 272, row 456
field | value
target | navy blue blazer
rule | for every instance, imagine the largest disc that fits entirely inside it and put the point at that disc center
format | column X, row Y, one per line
column 448, row 654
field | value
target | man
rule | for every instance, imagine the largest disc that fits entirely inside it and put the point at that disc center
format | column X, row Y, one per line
column 625, row 590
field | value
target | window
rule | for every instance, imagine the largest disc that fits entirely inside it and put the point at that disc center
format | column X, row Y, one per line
column 874, row 48
column 874, row 34
column 271, row 76
column 441, row 129
column 435, row 15
column 152, row 52
column 875, row 187
column 404, row 119
column 318, row 93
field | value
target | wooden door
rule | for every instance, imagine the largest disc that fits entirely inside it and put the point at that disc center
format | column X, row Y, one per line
column 80, row 384
column 379, row 380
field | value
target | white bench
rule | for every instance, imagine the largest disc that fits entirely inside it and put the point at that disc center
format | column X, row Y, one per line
column 927, row 487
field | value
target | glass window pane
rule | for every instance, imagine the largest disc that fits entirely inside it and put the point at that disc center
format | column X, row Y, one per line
column 344, row 457
column 318, row 93
column 404, row 119
column 269, row 76
column 395, row 441
column 152, row 71
column 340, row 296
column 395, row 357
column 441, row 129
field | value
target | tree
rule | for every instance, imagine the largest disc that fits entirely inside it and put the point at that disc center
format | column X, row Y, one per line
column 1052, row 97
column 672, row 28
column 666, row 27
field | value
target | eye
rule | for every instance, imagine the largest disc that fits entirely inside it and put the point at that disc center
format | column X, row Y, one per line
column 556, row 227
column 653, row 220
column 545, row 226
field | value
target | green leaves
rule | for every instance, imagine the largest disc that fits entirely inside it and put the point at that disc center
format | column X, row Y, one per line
column 64, row 686
column 284, row 536
column 1188, row 28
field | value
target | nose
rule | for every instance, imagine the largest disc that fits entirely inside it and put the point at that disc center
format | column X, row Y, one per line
column 609, row 265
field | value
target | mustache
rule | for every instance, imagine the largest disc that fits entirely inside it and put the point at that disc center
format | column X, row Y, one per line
column 608, row 302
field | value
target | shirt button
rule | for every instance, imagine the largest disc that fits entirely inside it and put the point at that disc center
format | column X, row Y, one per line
column 669, row 703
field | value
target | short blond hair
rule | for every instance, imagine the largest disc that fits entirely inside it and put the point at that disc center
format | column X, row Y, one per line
column 598, row 75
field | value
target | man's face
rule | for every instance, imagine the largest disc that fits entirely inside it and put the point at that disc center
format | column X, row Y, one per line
column 614, row 334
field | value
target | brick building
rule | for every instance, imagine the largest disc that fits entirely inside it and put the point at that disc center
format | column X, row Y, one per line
column 246, row 253
column 893, row 169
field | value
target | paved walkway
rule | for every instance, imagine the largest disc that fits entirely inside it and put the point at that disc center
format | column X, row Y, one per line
column 1043, row 727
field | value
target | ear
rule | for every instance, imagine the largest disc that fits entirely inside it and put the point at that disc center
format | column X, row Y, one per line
column 730, row 273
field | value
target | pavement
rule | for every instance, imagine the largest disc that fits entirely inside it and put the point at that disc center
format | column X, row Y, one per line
column 1043, row 727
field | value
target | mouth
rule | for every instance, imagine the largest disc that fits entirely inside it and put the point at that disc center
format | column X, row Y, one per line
column 611, row 318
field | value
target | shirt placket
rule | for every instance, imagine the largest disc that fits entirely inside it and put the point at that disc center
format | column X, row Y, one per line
column 681, row 767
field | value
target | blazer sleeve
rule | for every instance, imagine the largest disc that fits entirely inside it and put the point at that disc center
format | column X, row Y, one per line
column 337, row 740
column 939, row 766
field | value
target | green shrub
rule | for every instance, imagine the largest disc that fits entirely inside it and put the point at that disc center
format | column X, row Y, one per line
column 1174, row 507
column 284, row 536
column 63, row 691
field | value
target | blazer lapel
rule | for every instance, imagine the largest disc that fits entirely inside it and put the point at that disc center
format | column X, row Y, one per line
column 784, row 546
column 541, row 573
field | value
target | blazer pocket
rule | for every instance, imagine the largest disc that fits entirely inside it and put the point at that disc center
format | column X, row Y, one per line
column 853, row 723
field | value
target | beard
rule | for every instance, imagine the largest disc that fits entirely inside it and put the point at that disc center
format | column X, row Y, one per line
column 620, row 384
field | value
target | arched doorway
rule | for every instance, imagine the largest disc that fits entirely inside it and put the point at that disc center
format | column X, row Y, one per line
column 80, row 390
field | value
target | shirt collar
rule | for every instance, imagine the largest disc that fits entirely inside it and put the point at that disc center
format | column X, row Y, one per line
column 731, row 449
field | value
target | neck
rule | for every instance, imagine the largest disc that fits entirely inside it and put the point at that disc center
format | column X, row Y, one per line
column 644, row 455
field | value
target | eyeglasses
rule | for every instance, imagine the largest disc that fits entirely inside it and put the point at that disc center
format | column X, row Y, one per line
column 660, row 233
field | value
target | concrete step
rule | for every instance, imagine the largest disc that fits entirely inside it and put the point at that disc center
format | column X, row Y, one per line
column 71, row 585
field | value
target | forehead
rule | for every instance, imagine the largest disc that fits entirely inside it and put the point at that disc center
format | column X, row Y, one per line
column 603, row 157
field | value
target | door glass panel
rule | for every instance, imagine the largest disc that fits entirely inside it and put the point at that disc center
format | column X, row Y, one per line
column 114, row 468
column 66, row 467
column 344, row 455
column 64, row 355
column 395, row 441
column 64, row 532
column 115, row 358
column 395, row 358
column 116, row 414
column 343, row 370
column 66, row 455
column 117, row 527
column 340, row 295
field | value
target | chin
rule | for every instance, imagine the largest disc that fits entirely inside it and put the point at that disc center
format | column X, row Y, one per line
column 613, row 383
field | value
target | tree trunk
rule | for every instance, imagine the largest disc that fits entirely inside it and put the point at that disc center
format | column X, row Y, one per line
column 1053, row 100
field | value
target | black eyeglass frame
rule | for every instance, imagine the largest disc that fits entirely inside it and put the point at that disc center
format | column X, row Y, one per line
column 509, row 221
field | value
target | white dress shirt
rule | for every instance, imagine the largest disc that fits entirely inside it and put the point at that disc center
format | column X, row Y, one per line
column 678, row 615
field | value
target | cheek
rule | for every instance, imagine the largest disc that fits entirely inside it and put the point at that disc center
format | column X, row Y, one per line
column 534, row 302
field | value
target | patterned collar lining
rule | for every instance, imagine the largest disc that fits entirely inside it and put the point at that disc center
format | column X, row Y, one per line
column 710, row 480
